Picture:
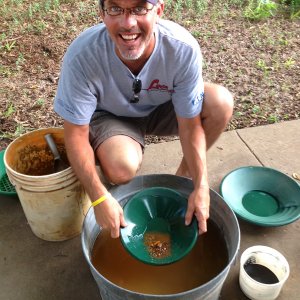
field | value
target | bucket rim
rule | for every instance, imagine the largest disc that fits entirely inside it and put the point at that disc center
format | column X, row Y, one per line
column 14, row 172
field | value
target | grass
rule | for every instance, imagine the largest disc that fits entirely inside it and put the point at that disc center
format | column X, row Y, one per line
column 20, row 18
column 52, row 21
column 23, row 16
column 18, row 132
column 26, row 16
column 258, row 10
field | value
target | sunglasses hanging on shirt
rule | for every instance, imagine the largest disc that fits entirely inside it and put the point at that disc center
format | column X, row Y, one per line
column 136, row 88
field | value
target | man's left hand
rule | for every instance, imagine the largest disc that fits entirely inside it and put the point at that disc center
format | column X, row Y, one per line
column 198, row 206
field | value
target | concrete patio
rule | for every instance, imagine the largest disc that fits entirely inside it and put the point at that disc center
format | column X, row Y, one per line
column 33, row 269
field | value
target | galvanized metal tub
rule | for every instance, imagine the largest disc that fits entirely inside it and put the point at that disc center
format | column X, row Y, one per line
column 220, row 213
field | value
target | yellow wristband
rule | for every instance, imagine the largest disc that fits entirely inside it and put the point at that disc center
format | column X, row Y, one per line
column 100, row 200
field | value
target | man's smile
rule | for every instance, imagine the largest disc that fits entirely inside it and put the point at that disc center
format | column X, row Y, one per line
column 129, row 37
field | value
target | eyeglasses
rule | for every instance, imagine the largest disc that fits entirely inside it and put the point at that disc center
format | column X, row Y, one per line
column 136, row 11
column 136, row 88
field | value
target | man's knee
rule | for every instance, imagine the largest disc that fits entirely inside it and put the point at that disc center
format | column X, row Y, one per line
column 123, row 171
column 120, row 168
column 120, row 158
column 225, row 100
column 218, row 101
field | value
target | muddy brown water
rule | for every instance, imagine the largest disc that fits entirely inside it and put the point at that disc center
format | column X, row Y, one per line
column 37, row 161
column 206, row 260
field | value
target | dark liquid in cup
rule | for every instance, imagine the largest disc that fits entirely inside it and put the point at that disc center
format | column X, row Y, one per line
column 260, row 273
column 206, row 260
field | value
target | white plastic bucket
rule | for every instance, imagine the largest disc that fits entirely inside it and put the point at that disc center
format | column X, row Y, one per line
column 55, row 205
column 267, row 257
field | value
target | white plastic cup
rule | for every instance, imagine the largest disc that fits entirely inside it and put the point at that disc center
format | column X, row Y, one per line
column 274, row 261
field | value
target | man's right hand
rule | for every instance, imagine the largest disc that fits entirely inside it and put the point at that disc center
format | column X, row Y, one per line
column 109, row 215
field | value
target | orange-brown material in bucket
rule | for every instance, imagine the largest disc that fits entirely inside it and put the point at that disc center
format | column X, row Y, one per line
column 35, row 158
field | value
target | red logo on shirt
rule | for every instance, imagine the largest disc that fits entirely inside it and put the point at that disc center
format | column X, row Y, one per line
column 156, row 86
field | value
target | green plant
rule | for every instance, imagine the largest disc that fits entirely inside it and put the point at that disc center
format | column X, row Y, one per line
column 2, row 37
column 196, row 33
column 47, row 5
column 190, row 8
column 20, row 60
column 289, row 63
column 33, row 8
column 262, row 65
column 9, row 111
column 40, row 102
column 18, row 131
column 294, row 6
column 260, row 9
column 5, row 71
column 39, row 26
column 178, row 8
column 204, row 64
column 189, row 4
column 283, row 41
column 9, row 46
column 273, row 118
column 238, row 114
column 255, row 109
column 201, row 6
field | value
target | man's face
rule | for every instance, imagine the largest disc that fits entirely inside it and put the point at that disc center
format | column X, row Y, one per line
column 133, row 35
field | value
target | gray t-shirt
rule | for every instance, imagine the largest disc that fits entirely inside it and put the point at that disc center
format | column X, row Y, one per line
column 94, row 78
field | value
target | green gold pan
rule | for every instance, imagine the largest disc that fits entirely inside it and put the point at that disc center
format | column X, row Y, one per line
column 262, row 196
column 156, row 233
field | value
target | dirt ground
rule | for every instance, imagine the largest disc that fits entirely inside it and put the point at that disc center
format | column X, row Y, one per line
column 257, row 61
